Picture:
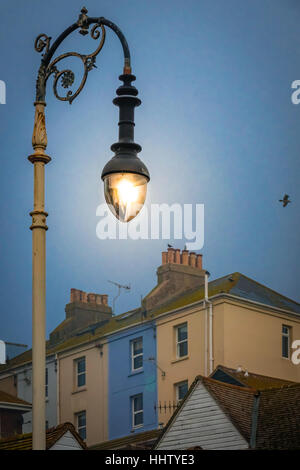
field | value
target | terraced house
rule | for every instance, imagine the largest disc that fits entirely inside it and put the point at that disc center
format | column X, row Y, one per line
column 114, row 376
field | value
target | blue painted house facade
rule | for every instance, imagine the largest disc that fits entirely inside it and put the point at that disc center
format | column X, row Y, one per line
column 132, row 383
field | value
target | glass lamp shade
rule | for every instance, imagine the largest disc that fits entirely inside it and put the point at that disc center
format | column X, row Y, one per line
column 125, row 194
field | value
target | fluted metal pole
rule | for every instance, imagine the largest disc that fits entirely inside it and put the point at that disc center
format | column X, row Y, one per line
column 39, row 227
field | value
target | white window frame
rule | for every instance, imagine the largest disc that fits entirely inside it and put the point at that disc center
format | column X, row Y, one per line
column 80, row 373
column 133, row 356
column 182, row 341
column 77, row 423
column 135, row 426
column 288, row 336
column 177, row 389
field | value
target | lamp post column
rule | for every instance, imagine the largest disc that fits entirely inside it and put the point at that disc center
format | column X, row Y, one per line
column 128, row 163
column 39, row 227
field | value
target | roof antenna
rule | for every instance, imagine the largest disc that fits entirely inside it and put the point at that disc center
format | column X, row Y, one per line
column 119, row 286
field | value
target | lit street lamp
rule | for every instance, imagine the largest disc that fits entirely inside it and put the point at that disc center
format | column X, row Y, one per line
column 125, row 179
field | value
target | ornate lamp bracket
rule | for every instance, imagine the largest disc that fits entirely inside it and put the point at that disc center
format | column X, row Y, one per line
column 66, row 77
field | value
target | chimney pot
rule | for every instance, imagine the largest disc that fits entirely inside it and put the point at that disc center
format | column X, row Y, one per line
column 192, row 259
column 199, row 262
column 91, row 298
column 171, row 255
column 185, row 257
column 75, row 295
column 177, row 256
column 164, row 257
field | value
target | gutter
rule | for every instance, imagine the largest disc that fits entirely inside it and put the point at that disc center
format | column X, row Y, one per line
column 210, row 314
column 57, row 389
column 15, row 406
column 254, row 420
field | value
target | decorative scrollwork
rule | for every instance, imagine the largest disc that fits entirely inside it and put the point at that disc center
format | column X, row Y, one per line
column 48, row 64
column 66, row 76
column 42, row 42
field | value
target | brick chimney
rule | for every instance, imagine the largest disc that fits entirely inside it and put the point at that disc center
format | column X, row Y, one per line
column 83, row 310
column 178, row 273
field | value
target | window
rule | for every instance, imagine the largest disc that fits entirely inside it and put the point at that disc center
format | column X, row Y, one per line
column 137, row 354
column 286, row 340
column 137, row 411
column 181, row 390
column 182, row 340
column 46, row 383
column 81, row 424
column 80, row 371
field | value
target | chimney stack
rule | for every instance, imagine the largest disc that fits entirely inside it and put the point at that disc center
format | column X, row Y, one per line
column 83, row 310
column 179, row 272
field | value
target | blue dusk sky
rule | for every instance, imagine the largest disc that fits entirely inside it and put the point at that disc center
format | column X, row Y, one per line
column 217, row 127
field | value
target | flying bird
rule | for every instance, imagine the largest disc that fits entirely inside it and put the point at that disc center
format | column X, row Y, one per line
column 285, row 201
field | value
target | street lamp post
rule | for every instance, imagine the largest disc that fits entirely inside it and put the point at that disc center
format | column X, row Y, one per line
column 125, row 179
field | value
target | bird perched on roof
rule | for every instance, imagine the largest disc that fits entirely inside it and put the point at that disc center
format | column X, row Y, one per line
column 170, row 246
column 285, row 201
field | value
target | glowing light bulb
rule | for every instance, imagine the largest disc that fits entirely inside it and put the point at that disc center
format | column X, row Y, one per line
column 125, row 194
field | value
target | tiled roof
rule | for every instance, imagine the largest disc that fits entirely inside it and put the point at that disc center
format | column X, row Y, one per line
column 236, row 284
column 24, row 441
column 278, row 417
column 236, row 402
column 8, row 398
column 109, row 327
column 248, row 379
column 249, row 289
column 138, row 440
column 278, row 420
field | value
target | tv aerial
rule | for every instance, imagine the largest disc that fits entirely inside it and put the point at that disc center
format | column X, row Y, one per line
column 119, row 286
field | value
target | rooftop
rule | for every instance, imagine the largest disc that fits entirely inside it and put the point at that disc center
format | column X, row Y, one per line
column 245, row 378
column 24, row 441
column 6, row 398
column 277, row 415
column 138, row 440
column 235, row 284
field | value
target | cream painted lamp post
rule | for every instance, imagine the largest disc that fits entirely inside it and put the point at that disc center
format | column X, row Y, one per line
column 125, row 178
